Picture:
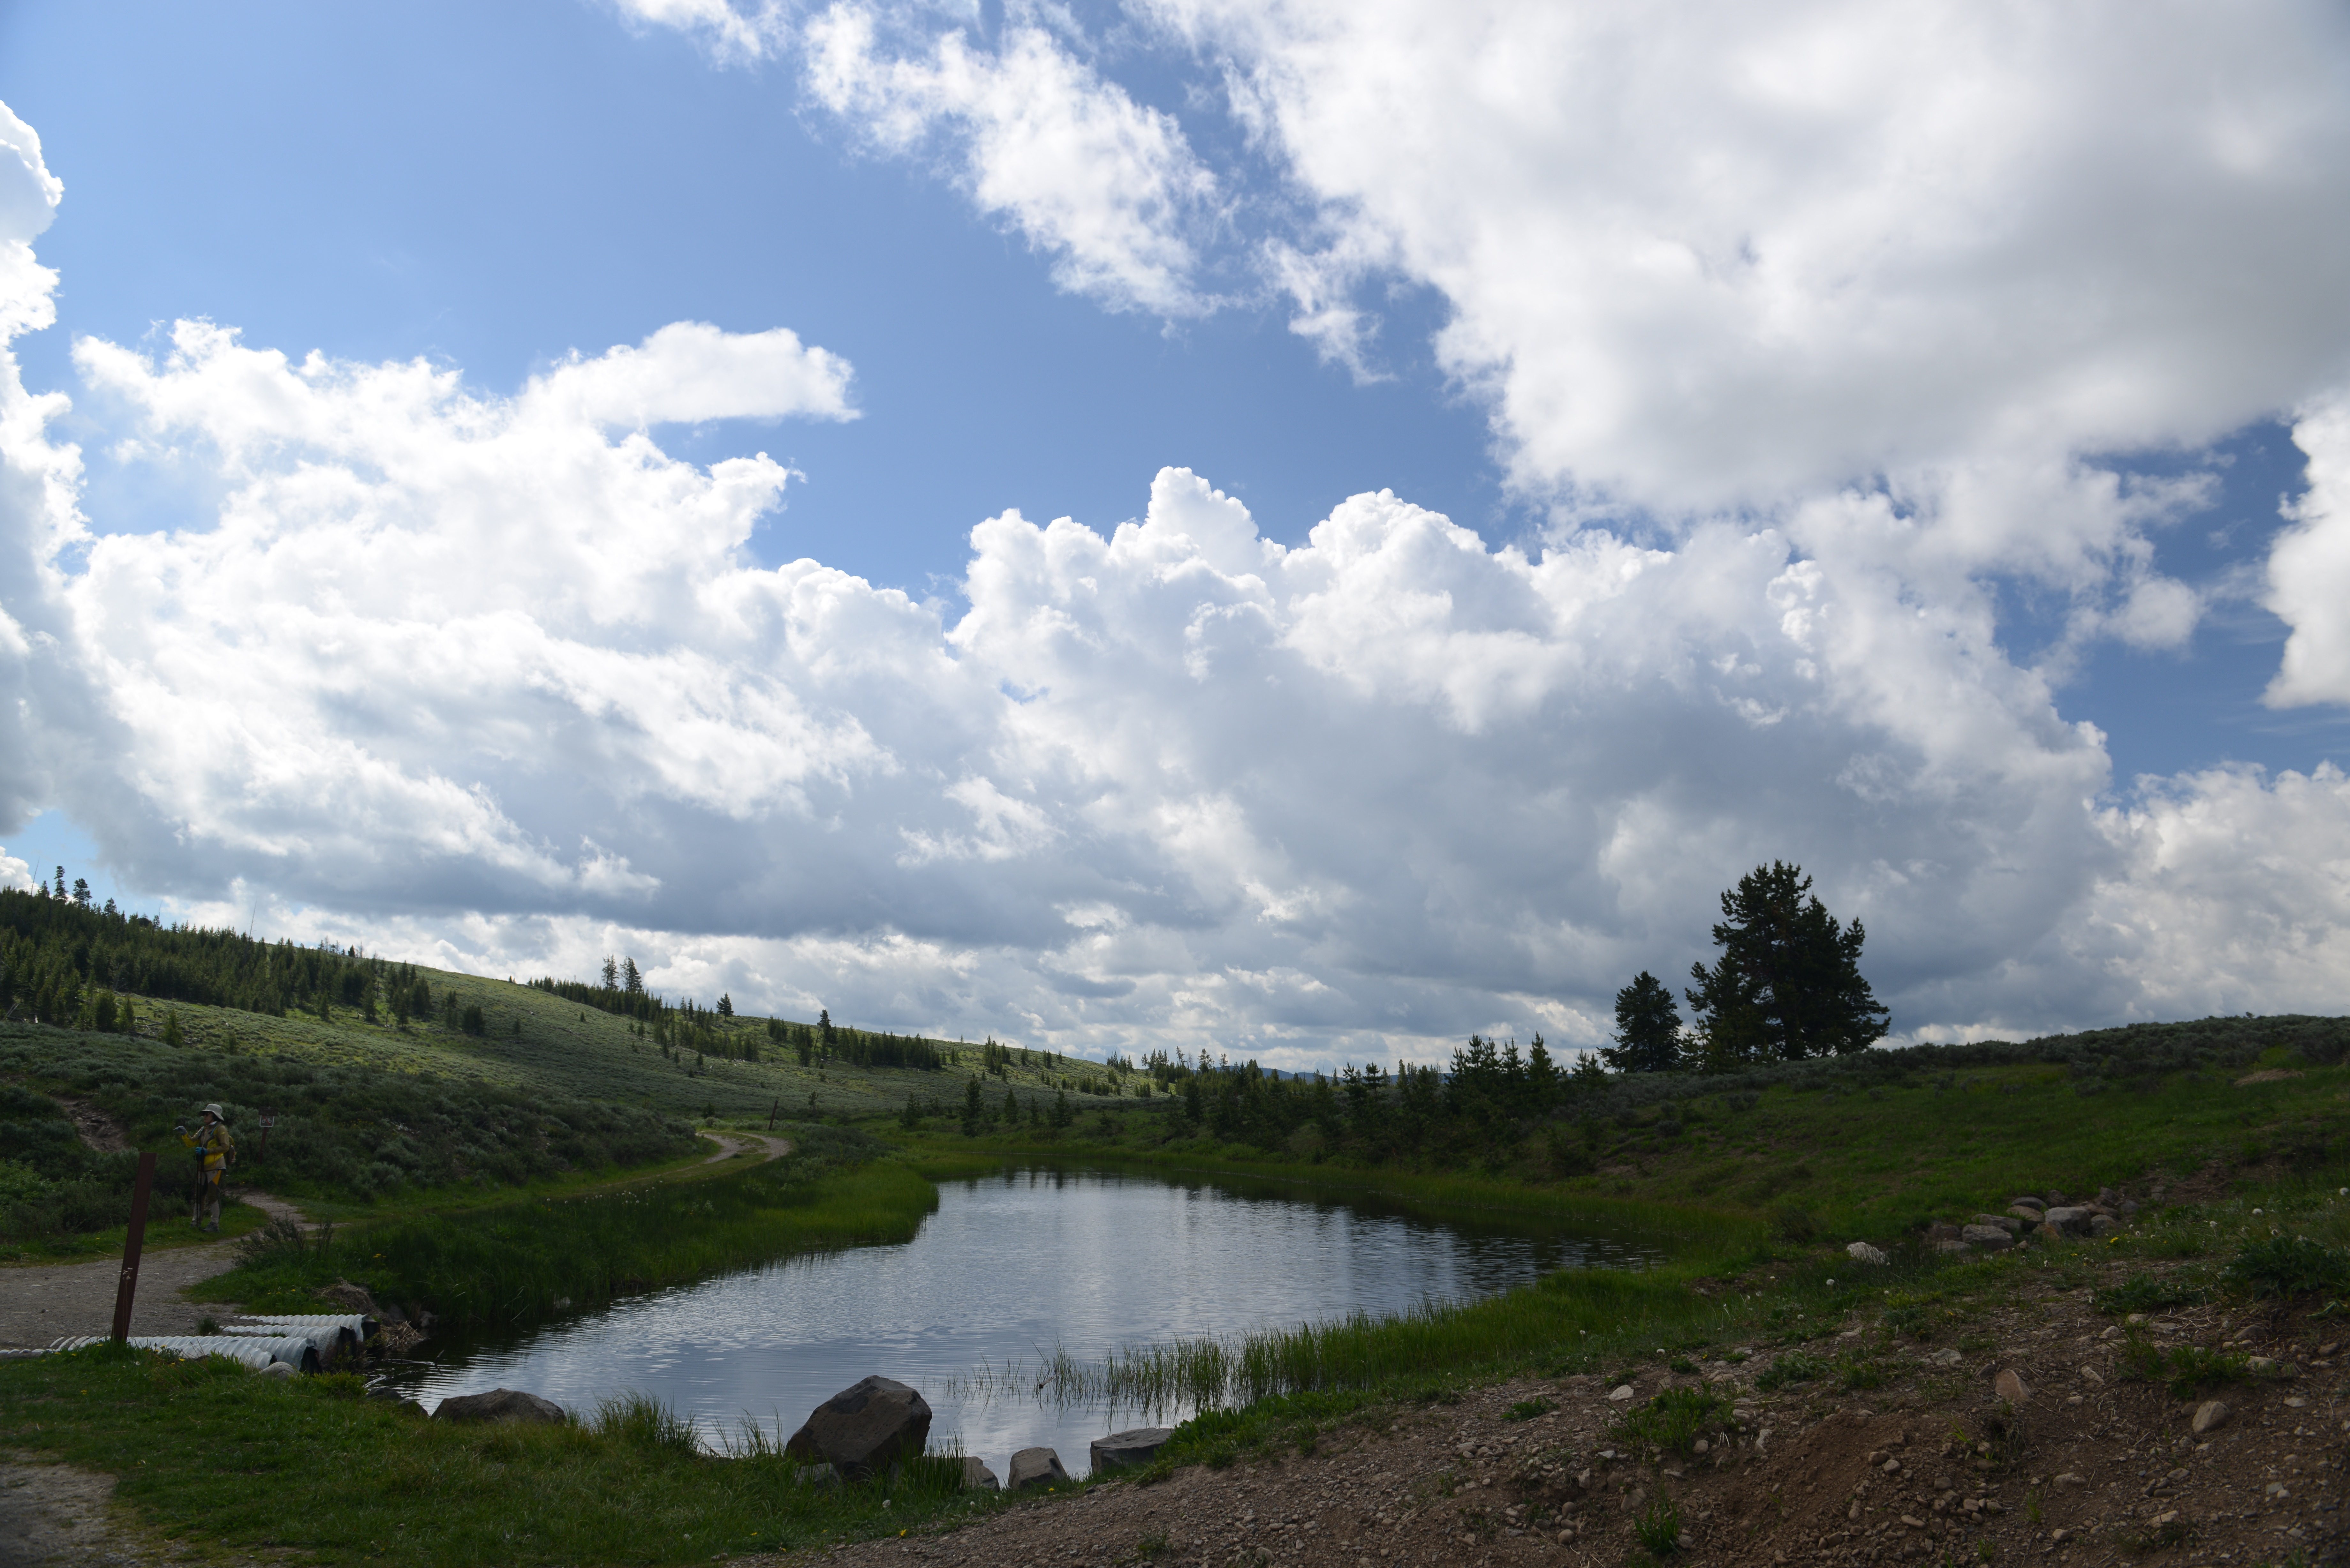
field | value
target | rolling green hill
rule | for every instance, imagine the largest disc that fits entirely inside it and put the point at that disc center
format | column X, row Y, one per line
column 393, row 1080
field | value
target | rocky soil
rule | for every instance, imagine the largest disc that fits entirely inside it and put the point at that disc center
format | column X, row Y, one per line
column 2086, row 1467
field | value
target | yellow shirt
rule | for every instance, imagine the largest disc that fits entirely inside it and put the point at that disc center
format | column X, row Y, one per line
column 215, row 1143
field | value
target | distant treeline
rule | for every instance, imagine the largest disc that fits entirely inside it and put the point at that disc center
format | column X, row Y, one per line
column 65, row 962
column 678, row 1027
column 1491, row 1098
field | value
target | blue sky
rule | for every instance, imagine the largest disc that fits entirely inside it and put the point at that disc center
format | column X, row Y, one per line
column 1849, row 493
column 494, row 186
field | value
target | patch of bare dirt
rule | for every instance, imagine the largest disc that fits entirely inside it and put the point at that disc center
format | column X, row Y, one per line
column 2087, row 1468
column 95, row 1129
column 56, row 1515
column 2271, row 1075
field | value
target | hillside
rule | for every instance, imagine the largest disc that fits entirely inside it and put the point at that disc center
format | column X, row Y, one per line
column 387, row 1079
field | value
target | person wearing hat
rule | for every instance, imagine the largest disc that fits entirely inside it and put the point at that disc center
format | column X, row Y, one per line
column 214, row 1151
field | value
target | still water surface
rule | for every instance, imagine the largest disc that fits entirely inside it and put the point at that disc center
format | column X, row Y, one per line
column 1009, row 1267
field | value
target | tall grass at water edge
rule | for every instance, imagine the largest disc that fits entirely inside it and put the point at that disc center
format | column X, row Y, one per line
column 1549, row 1320
column 517, row 1263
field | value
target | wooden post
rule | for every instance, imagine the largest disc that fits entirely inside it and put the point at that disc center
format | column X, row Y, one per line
column 128, row 1290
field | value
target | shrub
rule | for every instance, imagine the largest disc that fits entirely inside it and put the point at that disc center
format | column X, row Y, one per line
column 1672, row 1420
column 2290, row 1266
column 2148, row 1292
column 1658, row 1525
column 1795, row 1225
column 1795, row 1366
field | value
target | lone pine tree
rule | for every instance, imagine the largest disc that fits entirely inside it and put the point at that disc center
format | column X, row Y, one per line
column 1788, row 983
column 1648, row 1028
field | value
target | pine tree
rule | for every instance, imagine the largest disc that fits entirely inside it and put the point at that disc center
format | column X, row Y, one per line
column 1648, row 1028
column 612, row 973
column 1541, row 1078
column 1788, row 983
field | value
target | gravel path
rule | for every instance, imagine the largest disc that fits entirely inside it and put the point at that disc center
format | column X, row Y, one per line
column 43, row 1302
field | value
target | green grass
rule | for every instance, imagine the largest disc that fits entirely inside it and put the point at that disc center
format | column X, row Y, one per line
column 515, row 1262
column 213, row 1453
column 1797, row 1160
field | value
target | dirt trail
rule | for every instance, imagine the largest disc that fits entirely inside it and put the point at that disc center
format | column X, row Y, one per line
column 732, row 1144
column 40, row 1303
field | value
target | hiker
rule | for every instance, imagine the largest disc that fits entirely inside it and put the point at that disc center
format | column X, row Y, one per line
column 215, row 1150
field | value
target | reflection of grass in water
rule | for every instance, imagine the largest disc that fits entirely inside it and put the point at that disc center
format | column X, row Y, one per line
column 1358, row 1351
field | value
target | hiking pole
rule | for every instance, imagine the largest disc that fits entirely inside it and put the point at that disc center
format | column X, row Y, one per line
column 128, row 1289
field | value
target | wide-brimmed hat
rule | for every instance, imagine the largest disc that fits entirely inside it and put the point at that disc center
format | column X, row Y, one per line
column 214, row 1110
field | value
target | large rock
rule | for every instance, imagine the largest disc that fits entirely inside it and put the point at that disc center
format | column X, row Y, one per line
column 1990, row 1237
column 2070, row 1221
column 2027, row 1201
column 2210, row 1415
column 2104, row 1225
column 2011, row 1387
column 1036, row 1466
column 2011, row 1224
column 499, row 1405
column 1862, row 1253
column 1138, row 1447
column 866, row 1428
column 2028, row 1214
column 977, row 1477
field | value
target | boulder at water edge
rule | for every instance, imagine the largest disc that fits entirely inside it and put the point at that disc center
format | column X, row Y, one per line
column 1036, row 1466
column 868, row 1426
column 499, row 1405
column 977, row 1477
column 1139, row 1447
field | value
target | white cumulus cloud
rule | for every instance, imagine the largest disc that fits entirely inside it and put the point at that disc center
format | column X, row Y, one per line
column 2309, row 570
column 1703, row 253
column 1107, row 187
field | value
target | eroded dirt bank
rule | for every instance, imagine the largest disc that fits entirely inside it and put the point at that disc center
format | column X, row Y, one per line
column 1931, row 1466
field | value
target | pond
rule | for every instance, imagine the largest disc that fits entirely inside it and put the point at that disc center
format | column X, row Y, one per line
column 1011, row 1267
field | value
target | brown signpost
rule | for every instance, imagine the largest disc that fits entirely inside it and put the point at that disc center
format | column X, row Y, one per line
column 128, row 1290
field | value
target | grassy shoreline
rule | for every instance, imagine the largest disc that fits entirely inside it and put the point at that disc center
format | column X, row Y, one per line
column 520, row 1262
column 1432, row 1194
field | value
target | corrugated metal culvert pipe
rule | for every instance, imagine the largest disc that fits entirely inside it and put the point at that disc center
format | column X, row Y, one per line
column 299, row 1354
column 337, row 1335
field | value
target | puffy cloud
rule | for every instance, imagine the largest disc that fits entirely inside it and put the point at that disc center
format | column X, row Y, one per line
column 40, row 521
column 491, row 681
column 731, row 36
column 15, row 873
column 1106, row 186
column 2309, row 570
column 1709, row 254
column 29, row 193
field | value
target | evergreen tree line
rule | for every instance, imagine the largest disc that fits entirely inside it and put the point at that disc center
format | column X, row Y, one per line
column 66, row 962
